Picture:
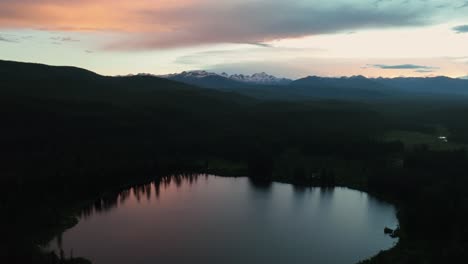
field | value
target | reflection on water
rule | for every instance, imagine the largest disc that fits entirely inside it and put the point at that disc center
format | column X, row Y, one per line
column 201, row 218
column 146, row 191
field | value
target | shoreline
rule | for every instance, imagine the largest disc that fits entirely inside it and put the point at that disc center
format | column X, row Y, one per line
column 75, row 212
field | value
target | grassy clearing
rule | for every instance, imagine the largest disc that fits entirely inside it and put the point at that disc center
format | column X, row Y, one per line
column 413, row 139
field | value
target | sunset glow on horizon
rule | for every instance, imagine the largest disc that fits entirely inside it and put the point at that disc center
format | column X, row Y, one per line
column 291, row 39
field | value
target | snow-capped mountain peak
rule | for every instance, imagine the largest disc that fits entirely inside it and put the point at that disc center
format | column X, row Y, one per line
column 256, row 78
column 259, row 78
column 191, row 74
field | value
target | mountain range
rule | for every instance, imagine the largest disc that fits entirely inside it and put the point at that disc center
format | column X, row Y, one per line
column 265, row 86
column 257, row 86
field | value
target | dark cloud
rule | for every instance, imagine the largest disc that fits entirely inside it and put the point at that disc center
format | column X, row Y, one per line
column 401, row 67
column 8, row 39
column 461, row 29
column 265, row 45
column 65, row 39
column 424, row 71
column 15, row 38
column 464, row 5
column 68, row 39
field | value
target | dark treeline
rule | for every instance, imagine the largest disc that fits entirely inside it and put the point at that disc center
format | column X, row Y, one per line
column 69, row 136
column 430, row 189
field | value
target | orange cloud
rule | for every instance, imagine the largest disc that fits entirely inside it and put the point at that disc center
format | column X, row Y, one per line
column 84, row 15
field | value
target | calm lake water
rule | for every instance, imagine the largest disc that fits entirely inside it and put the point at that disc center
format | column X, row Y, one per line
column 209, row 219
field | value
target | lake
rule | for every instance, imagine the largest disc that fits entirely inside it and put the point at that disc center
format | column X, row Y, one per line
column 210, row 219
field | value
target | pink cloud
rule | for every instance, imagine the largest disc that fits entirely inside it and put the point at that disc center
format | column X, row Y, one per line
column 158, row 24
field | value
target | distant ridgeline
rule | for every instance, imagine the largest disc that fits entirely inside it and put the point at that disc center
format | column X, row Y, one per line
column 264, row 86
column 69, row 134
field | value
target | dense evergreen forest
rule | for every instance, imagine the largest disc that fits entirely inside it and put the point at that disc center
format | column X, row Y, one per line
column 70, row 136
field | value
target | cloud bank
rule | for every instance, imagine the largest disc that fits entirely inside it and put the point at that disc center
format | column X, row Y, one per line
column 419, row 68
column 159, row 24
column 461, row 29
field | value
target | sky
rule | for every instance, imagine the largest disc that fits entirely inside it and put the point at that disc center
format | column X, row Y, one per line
column 293, row 38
